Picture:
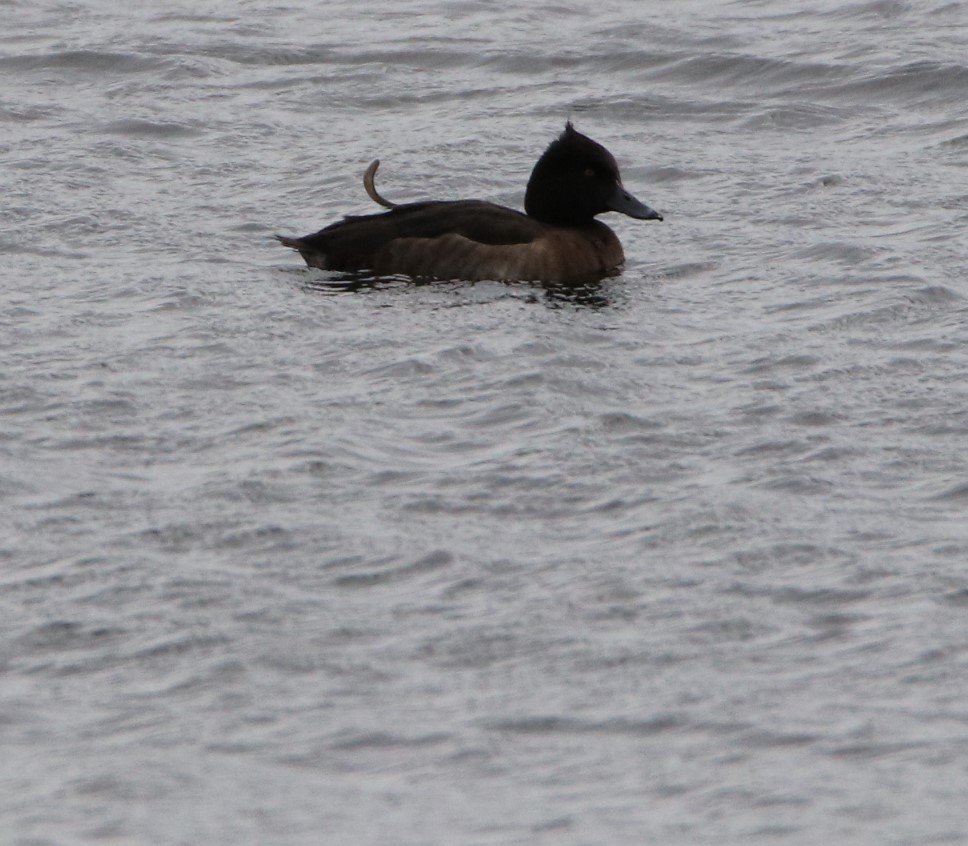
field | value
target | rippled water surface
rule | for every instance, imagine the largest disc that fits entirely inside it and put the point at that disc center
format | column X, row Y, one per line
column 677, row 558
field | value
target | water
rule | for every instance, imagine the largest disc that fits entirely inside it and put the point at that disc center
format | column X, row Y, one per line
column 679, row 558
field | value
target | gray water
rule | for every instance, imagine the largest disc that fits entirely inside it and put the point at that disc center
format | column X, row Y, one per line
column 681, row 558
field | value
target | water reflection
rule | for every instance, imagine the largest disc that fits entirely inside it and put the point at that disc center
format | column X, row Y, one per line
column 353, row 283
column 588, row 293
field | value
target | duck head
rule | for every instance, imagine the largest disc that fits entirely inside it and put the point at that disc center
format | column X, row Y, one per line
column 576, row 179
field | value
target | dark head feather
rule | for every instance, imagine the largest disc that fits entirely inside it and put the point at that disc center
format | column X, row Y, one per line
column 571, row 181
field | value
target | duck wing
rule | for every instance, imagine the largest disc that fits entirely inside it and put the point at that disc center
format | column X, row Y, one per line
column 416, row 238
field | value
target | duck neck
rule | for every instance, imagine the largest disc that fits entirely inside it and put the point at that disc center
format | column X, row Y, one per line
column 552, row 204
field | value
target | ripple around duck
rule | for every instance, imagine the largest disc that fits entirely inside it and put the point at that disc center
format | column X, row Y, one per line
column 60, row 635
column 433, row 561
column 909, row 308
column 800, row 116
column 381, row 740
column 846, row 253
column 569, row 726
column 954, row 493
column 921, row 82
column 957, row 142
column 243, row 54
column 742, row 69
column 83, row 61
column 151, row 129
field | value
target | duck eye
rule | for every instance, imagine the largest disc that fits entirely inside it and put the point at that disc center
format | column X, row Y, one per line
column 589, row 171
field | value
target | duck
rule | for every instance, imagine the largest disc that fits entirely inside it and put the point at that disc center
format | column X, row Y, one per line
column 556, row 239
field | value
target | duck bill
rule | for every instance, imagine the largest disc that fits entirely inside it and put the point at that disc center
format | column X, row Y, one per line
column 623, row 202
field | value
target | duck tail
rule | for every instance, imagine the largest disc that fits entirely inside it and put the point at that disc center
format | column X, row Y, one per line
column 294, row 243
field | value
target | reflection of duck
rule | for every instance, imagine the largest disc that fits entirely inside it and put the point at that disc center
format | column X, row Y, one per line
column 557, row 240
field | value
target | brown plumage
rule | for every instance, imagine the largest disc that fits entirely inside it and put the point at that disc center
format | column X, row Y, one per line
column 558, row 238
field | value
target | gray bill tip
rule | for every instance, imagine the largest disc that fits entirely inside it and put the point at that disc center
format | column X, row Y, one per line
column 624, row 203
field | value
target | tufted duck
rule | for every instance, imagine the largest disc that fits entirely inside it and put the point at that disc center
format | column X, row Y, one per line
column 556, row 240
